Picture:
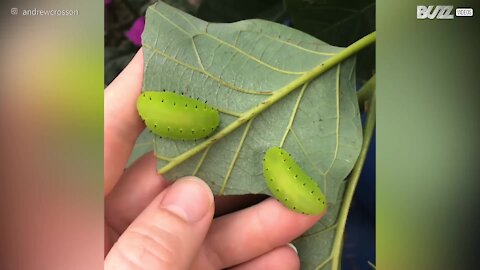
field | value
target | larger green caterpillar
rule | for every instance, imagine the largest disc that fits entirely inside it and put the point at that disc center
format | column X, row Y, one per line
column 290, row 184
column 175, row 116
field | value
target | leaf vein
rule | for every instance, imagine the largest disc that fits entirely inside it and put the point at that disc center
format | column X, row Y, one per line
column 278, row 95
column 200, row 162
column 188, row 21
column 294, row 113
column 158, row 156
column 224, row 43
column 337, row 131
column 320, row 266
column 304, row 151
column 168, row 20
column 326, row 229
column 198, row 55
column 218, row 80
column 250, row 56
column 292, row 44
column 231, row 113
column 235, row 157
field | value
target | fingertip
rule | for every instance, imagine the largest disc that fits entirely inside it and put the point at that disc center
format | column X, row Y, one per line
column 287, row 224
column 282, row 210
column 200, row 182
column 169, row 232
column 196, row 180
column 283, row 257
column 190, row 198
column 289, row 255
column 293, row 247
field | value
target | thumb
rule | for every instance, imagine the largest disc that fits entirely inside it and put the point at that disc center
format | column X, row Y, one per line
column 169, row 232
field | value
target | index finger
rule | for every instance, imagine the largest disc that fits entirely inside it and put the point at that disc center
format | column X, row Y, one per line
column 122, row 125
column 246, row 234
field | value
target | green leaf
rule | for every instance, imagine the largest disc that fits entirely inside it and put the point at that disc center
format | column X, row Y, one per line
column 321, row 246
column 265, row 80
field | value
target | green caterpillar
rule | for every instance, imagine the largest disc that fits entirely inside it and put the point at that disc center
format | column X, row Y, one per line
column 290, row 184
column 175, row 116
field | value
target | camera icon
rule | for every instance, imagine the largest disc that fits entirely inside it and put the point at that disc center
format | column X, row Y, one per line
column 14, row 11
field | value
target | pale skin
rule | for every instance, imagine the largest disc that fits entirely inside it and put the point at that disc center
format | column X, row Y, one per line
column 153, row 224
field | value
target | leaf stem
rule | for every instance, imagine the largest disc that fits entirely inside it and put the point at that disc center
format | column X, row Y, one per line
column 347, row 200
column 365, row 93
column 276, row 96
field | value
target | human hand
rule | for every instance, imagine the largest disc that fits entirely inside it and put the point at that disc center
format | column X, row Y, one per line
column 151, row 224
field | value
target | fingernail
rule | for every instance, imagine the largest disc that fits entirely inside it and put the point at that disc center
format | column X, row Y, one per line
column 189, row 198
column 293, row 247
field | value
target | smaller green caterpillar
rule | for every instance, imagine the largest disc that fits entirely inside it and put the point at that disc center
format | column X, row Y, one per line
column 175, row 116
column 290, row 184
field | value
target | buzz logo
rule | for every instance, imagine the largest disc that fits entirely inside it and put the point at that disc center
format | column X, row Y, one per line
column 434, row 12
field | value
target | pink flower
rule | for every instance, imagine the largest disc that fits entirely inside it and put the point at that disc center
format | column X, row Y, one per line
column 134, row 34
column 107, row 2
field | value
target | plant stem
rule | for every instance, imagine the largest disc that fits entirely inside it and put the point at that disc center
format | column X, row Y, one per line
column 276, row 96
column 365, row 93
column 347, row 199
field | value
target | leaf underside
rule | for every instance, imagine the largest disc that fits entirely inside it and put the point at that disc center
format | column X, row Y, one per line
column 234, row 67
